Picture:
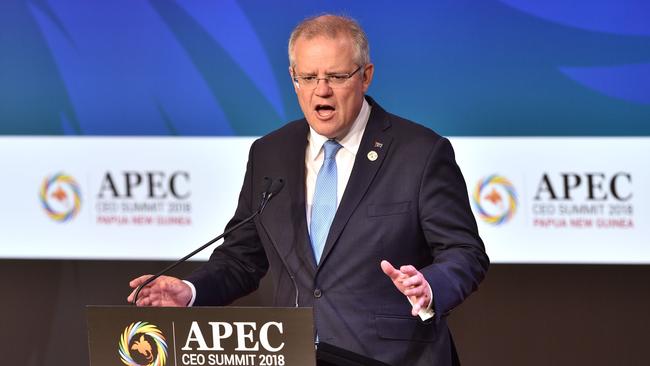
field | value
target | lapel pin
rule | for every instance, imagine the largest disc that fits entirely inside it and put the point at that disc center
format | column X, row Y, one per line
column 372, row 155
column 378, row 144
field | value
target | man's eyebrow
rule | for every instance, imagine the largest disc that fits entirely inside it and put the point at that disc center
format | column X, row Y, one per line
column 306, row 73
column 338, row 72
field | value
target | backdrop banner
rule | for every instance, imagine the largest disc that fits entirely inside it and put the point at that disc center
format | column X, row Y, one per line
column 536, row 200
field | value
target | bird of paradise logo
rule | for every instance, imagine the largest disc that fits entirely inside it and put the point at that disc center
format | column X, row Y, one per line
column 147, row 342
column 495, row 199
column 61, row 197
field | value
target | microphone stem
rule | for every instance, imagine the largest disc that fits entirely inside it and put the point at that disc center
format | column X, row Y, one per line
column 173, row 265
column 272, row 188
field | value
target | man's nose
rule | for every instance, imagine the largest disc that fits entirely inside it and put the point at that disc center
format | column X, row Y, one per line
column 323, row 87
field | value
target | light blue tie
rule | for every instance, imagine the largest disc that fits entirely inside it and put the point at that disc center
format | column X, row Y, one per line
column 323, row 206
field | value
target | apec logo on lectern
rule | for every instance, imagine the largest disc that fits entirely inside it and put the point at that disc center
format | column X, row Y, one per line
column 142, row 344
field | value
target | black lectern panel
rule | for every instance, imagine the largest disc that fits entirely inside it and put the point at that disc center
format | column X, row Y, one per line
column 329, row 355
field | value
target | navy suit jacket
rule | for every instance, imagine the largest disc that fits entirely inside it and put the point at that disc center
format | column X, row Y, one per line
column 409, row 206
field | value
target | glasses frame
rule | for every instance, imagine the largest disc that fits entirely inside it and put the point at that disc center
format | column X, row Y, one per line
column 328, row 78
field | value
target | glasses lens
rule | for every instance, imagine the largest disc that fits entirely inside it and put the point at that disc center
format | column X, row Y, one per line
column 309, row 81
column 337, row 79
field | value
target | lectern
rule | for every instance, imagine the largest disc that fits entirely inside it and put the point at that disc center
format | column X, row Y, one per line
column 209, row 336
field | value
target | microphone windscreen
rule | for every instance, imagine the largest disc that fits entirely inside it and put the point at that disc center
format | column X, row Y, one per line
column 266, row 186
column 276, row 187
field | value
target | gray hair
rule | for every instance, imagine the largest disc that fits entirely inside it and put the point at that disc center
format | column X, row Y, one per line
column 332, row 26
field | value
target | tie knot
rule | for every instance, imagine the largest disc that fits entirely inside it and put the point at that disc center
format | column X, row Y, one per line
column 331, row 147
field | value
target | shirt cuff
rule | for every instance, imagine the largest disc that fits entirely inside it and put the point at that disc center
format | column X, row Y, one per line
column 428, row 313
column 193, row 289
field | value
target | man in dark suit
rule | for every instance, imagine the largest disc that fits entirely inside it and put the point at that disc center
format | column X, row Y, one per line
column 364, row 190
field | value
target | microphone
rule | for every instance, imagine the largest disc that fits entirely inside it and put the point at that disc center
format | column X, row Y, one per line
column 266, row 183
column 271, row 188
column 276, row 187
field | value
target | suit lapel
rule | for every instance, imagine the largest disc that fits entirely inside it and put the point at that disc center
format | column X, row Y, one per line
column 375, row 139
column 284, row 218
column 287, row 224
column 299, row 211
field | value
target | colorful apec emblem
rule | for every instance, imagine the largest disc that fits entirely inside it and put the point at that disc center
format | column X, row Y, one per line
column 495, row 199
column 143, row 344
column 61, row 197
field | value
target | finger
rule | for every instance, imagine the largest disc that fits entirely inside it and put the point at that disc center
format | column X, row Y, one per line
column 400, row 280
column 141, row 294
column 418, row 305
column 130, row 297
column 416, row 291
column 413, row 281
column 416, row 308
column 144, row 292
column 408, row 269
column 389, row 270
column 138, row 281
column 156, row 302
column 153, row 297
column 142, row 301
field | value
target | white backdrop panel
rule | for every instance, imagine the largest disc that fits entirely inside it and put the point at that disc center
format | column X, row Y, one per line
column 547, row 200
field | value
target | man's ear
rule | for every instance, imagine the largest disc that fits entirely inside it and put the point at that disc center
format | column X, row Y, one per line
column 368, row 72
column 295, row 84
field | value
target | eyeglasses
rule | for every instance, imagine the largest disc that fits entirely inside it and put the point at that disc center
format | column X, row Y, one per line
column 333, row 80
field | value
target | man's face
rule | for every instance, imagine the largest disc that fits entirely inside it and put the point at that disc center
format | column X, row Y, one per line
column 330, row 111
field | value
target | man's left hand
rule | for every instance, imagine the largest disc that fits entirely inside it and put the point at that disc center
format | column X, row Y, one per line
column 411, row 283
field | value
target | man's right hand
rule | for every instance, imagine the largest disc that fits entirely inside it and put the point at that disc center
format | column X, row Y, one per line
column 164, row 291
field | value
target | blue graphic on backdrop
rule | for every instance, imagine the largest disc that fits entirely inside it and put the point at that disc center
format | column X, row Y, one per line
column 116, row 85
column 627, row 82
column 213, row 68
column 624, row 17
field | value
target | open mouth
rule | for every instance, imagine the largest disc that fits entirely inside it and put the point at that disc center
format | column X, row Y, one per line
column 324, row 110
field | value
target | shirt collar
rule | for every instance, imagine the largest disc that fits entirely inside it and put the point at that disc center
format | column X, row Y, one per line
column 350, row 141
